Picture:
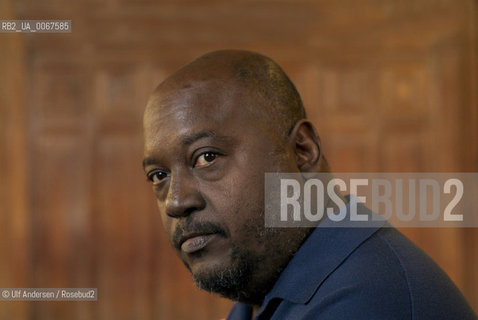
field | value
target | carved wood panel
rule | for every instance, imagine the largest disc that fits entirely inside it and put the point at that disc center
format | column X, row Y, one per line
column 391, row 86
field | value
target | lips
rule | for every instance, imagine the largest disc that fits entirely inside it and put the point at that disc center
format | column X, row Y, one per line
column 193, row 236
column 194, row 243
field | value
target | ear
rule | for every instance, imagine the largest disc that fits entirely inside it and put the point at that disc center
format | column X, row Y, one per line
column 305, row 142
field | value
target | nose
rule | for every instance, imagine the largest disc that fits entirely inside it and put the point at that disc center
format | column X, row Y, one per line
column 184, row 196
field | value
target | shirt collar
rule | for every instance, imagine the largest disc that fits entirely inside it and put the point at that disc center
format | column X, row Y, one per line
column 240, row 311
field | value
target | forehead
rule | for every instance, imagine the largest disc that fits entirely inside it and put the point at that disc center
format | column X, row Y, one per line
column 195, row 106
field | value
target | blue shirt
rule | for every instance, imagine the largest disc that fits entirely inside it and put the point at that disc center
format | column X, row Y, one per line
column 371, row 272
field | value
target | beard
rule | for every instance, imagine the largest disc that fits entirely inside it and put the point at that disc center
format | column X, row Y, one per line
column 253, row 266
column 234, row 280
column 250, row 275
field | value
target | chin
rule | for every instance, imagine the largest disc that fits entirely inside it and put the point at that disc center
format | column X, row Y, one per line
column 232, row 279
column 227, row 281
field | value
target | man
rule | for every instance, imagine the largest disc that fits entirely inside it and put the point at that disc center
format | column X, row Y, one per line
column 212, row 130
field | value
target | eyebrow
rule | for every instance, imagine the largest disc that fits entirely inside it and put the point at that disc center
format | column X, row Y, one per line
column 149, row 161
column 188, row 140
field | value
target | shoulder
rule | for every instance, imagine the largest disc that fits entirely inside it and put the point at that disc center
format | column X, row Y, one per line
column 387, row 277
column 370, row 284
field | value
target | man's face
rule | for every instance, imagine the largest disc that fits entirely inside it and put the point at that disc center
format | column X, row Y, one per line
column 206, row 155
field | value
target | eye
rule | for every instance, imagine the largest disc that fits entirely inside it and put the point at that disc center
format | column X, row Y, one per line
column 156, row 176
column 205, row 159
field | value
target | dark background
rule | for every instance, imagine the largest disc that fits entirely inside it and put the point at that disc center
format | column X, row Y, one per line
column 390, row 84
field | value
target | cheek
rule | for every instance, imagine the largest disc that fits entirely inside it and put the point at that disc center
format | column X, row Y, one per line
column 242, row 191
column 166, row 221
column 241, row 205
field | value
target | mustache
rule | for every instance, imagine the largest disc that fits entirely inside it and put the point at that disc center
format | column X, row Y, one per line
column 185, row 227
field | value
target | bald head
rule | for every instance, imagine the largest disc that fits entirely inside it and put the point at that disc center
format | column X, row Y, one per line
column 273, row 97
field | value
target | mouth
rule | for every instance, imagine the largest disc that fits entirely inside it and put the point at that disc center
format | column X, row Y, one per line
column 195, row 242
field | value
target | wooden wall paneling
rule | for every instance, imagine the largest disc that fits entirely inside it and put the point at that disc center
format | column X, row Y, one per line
column 61, row 96
column 305, row 76
column 122, row 230
column 383, row 82
column 347, row 96
column 14, row 224
column 401, row 152
column 60, row 167
column 349, row 153
column 347, row 90
column 59, row 212
column 471, row 234
column 449, row 103
column 404, row 87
